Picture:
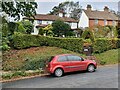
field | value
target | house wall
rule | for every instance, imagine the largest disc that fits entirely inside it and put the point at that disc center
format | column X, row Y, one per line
column 35, row 23
column 73, row 25
column 47, row 22
column 101, row 22
column 84, row 21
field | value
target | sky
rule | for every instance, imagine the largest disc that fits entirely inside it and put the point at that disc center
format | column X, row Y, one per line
column 45, row 6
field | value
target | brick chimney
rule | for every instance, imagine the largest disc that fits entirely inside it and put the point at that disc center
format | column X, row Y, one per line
column 89, row 7
column 106, row 9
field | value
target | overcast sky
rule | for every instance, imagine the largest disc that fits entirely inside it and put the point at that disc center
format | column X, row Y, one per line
column 44, row 6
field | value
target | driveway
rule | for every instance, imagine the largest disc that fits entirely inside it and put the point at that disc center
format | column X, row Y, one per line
column 104, row 77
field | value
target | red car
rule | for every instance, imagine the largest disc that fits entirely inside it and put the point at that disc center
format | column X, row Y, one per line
column 60, row 64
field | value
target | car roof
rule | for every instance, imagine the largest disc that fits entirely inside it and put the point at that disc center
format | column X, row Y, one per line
column 64, row 54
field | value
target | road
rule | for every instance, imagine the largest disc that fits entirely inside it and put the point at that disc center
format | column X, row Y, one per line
column 104, row 77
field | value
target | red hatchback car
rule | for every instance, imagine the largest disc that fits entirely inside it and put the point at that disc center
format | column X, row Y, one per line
column 60, row 64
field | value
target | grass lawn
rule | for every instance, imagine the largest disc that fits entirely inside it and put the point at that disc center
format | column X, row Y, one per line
column 26, row 62
column 32, row 58
column 19, row 59
column 109, row 57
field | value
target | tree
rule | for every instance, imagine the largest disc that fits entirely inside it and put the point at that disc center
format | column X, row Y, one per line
column 15, row 8
column 28, row 26
column 68, row 7
column 60, row 28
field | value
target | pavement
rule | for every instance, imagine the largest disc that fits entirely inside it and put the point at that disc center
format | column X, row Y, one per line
column 104, row 77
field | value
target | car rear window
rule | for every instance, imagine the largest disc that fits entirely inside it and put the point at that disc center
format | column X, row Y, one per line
column 62, row 58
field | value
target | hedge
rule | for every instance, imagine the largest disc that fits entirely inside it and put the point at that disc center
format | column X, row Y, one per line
column 103, row 44
column 21, row 41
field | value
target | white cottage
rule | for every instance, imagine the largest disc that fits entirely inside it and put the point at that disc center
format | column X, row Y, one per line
column 42, row 20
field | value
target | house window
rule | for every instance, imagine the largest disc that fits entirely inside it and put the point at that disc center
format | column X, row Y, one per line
column 96, row 21
column 105, row 22
column 113, row 23
column 39, row 22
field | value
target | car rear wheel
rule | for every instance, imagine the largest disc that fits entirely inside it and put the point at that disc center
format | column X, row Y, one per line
column 58, row 72
column 91, row 68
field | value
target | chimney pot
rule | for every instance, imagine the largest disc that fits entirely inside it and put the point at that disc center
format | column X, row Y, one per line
column 89, row 7
column 106, row 9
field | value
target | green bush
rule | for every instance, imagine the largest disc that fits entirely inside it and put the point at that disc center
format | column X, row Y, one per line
column 21, row 41
column 103, row 44
column 33, row 64
column 88, row 34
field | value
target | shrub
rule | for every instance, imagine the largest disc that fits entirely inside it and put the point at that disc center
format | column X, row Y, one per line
column 103, row 44
column 60, row 28
column 24, row 41
column 88, row 34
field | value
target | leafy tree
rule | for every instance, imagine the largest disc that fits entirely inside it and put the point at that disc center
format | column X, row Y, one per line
column 60, row 28
column 25, row 26
column 15, row 8
column 68, row 7
column 28, row 26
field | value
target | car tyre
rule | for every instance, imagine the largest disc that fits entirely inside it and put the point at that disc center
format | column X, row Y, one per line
column 91, row 68
column 58, row 72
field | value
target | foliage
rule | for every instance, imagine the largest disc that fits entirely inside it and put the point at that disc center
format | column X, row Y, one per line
column 21, row 29
column 88, row 34
column 41, row 31
column 28, row 26
column 48, row 30
column 68, row 7
column 30, row 59
column 102, row 62
column 105, row 31
column 24, row 41
column 108, row 57
column 103, row 44
column 15, row 8
column 60, row 28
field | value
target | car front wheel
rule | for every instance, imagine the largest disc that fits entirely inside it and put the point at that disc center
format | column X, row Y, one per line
column 58, row 72
column 91, row 68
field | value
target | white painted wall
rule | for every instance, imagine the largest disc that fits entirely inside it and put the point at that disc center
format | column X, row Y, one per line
column 35, row 23
column 84, row 21
column 36, row 31
column 47, row 22
column 73, row 25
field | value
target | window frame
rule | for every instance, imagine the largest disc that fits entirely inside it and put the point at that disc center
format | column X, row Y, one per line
column 96, row 21
column 62, row 61
column 81, row 59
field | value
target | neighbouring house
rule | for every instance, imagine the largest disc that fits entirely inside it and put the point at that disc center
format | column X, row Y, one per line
column 91, row 18
column 42, row 20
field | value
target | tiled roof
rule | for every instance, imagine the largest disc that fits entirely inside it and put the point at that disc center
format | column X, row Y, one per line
column 100, row 15
column 53, row 18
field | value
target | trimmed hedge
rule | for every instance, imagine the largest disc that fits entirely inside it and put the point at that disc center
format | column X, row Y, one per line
column 103, row 44
column 21, row 41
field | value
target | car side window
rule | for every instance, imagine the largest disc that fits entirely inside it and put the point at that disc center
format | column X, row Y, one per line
column 62, row 58
column 74, row 58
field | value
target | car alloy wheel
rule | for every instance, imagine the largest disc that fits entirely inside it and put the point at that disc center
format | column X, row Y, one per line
column 91, row 68
column 58, row 72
